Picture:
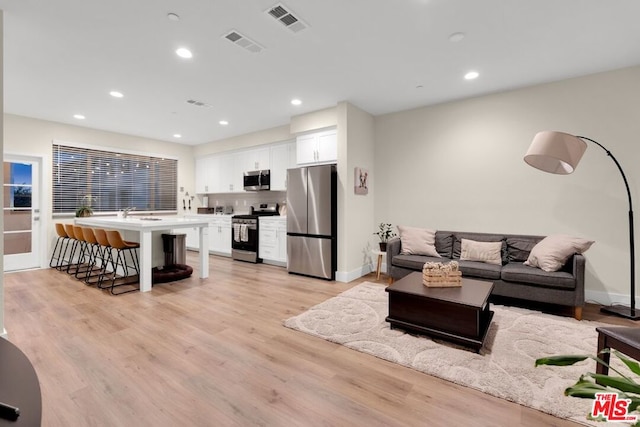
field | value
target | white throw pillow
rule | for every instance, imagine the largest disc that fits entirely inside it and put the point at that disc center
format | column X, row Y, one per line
column 489, row 252
column 552, row 252
column 418, row 241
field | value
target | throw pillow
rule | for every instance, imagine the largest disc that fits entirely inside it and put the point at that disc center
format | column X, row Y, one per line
column 489, row 252
column 418, row 241
column 553, row 251
column 519, row 248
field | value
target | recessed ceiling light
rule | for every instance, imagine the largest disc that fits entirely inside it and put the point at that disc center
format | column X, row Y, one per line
column 173, row 16
column 456, row 37
column 177, row 135
column 471, row 75
column 116, row 94
column 223, row 122
column 296, row 102
column 183, row 52
column 79, row 116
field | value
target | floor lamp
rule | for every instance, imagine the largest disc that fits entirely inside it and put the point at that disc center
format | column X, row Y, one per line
column 559, row 153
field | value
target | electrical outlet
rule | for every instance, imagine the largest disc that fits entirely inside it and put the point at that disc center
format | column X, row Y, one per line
column 182, row 189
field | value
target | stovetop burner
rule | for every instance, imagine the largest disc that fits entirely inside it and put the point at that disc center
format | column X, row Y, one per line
column 263, row 209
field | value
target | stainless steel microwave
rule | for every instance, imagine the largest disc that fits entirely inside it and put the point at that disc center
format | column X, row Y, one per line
column 257, row 180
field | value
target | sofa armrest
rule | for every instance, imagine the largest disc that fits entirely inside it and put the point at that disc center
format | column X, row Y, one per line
column 579, row 262
column 393, row 249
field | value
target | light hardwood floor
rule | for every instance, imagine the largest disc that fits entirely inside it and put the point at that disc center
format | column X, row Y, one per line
column 214, row 352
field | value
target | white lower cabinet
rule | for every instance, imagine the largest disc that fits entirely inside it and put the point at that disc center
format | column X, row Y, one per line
column 220, row 235
column 272, row 240
column 193, row 238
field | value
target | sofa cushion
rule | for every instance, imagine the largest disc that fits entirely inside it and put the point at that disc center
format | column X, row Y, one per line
column 519, row 247
column 551, row 253
column 479, row 237
column 444, row 243
column 417, row 241
column 414, row 262
column 480, row 270
column 489, row 252
column 519, row 272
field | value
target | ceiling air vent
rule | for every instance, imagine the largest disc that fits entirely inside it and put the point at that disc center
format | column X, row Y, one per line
column 286, row 18
column 197, row 103
column 243, row 41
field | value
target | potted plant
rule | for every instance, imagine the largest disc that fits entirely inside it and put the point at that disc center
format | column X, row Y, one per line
column 85, row 207
column 590, row 384
column 384, row 233
column 83, row 211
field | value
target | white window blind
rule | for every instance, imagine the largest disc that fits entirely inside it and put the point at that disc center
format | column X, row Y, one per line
column 110, row 181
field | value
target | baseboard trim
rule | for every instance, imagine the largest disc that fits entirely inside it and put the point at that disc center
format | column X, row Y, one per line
column 607, row 298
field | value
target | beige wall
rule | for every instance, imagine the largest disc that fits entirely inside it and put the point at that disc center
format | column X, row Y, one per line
column 314, row 121
column 459, row 166
column 355, row 212
column 33, row 137
column 262, row 137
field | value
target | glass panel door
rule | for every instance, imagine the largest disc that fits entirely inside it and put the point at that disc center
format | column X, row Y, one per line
column 21, row 214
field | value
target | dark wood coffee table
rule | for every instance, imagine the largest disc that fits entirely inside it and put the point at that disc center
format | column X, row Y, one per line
column 458, row 314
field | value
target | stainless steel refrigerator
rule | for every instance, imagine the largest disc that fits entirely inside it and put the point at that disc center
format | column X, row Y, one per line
column 312, row 221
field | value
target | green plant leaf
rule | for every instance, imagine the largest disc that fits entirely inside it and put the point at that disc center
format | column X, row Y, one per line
column 584, row 389
column 626, row 385
column 564, row 360
column 631, row 364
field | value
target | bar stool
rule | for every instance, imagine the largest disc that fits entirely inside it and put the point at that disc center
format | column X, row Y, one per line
column 106, row 252
column 69, row 229
column 60, row 249
column 95, row 252
column 84, row 259
column 123, row 248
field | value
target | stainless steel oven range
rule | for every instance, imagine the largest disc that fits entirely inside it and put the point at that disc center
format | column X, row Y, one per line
column 244, row 232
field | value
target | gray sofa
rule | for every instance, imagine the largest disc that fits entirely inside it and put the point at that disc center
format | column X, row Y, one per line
column 512, row 279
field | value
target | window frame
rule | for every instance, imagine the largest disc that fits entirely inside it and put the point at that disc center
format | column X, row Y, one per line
column 159, row 196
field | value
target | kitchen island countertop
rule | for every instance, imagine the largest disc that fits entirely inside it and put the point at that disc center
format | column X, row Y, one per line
column 145, row 226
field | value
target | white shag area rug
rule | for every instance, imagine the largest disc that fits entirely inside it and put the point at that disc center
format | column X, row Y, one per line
column 504, row 367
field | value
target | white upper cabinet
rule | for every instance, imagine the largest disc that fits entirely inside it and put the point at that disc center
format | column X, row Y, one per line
column 223, row 173
column 282, row 158
column 256, row 159
column 318, row 147
column 206, row 174
column 227, row 170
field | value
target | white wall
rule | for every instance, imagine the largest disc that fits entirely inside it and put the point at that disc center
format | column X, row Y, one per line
column 459, row 166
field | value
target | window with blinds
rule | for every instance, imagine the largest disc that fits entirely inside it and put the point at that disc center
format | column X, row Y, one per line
column 110, row 181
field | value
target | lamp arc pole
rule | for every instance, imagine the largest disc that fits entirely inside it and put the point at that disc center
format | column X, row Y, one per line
column 621, row 310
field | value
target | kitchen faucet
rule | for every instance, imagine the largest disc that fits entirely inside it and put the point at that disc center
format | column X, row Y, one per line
column 125, row 211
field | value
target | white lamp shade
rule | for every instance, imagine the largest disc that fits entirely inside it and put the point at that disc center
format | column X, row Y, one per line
column 555, row 152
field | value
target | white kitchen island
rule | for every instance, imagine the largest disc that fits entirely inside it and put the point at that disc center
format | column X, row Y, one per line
column 145, row 227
